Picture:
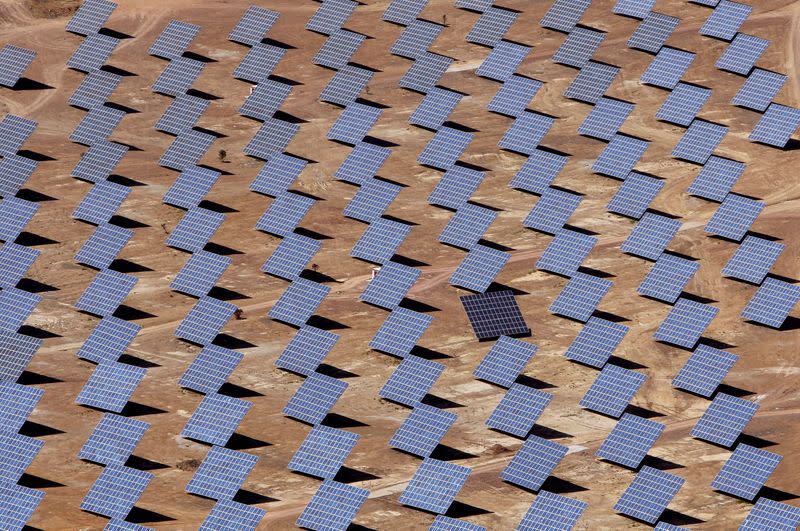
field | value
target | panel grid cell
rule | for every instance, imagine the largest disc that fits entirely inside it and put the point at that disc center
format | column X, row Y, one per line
column 564, row 15
column 479, row 268
column 97, row 125
column 95, row 89
column 200, row 273
column 339, row 48
column 770, row 515
column 90, row 16
column 174, row 40
column 15, row 261
column 229, row 515
column 354, row 123
column 178, row 77
column 491, row 26
column 346, row 85
column 109, row 340
column 331, row 15
column 380, row 241
column 99, row 161
column 363, row 163
column 435, row 108
column 753, row 259
column 259, row 63
column 16, row 305
column 14, row 132
column 526, row 132
column 635, row 195
column 416, row 39
column 272, row 138
column 456, row 187
column 15, row 171
column 552, row 211
column 103, row 246
column 445, row 523
column 16, row 352
column 92, row 53
column 101, row 203
column 539, row 171
column 746, row 471
column 606, row 118
column 445, row 148
column 17, row 402
column 186, row 150
column 191, row 187
column 699, row 141
column 106, row 292
column 390, row 285
column 182, row 114
column 278, row 174
column 592, row 82
column 371, row 200
column 505, row 361
column 634, row 8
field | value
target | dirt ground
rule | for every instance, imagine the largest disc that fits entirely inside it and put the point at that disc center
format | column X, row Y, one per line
column 767, row 371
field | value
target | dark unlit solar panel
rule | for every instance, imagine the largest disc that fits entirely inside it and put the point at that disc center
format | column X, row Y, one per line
column 434, row 110
column 606, row 118
column 90, row 17
column 725, row 20
column 759, row 90
column 566, row 252
column 16, row 352
column 416, row 39
column 514, row 96
column 494, row 314
column 109, row 340
column 526, row 132
column 653, row 32
column 15, row 307
column 306, row 351
column 106, row 292
column 13, row 63
column 284, row 214
column 716, row 179
column 519, row 409
column 97, row 125
column 400, row 332
column 15, row 171
column 205, row 320
column 116, row 491
column 683, row 104
column 539, row 171
column 770, row 515
column 634, row 8
column 323, row 452
column 95, row 89
column 221, row 473
column 278, row 174
column 354, row 123
column 563, row 15
column 503, row 61
column 93, row 53
column 435, row 485
column 668, row 278
column 445, row 148
column 552, row 511
column 552, row 211
column 179, row 76
column 253, row 26
column 347, row 85
column 612, row 390
column 14, row 132
column 776, row 126
column 15, row 261
column 425, row 72
column 704, row 371
column 258, row 64
column 753, row 259
column 99, row 161
column 734, row 217
column 699, row 141
column 649, row 494
column 667, row 68
column 630, row 440
column 291, row 256
column 195, row 229
column 505, row 361
column 299, row 302
column 635, row 195
column 113, row 440
column 422, row 430
column 210, row 369
column 456, row 187
column 686, row 322
column 580, row 296
column 371, row 200
column 724, row 420
column 491, row 26
column 272, row 138
column 591, row 82
column 186, row 150
column 101, row 203
column 191, row 187
column 404, row 11
column 200, row 273
column 174, row 40
column 746, row 471
column 182, row 114
column 110, row 386
column 339, row 48
column 333, row 506
column 579, row 47
column 363, row 163
column 467, row 226
column 216, row 418
column 742, row 54
column 479, row 268
column 380, row 241
column 331, row 15
column 533, row 463
column 596, row 342
column 390, row 285
column 314, row 398
column 651, row 236
column 772, row 302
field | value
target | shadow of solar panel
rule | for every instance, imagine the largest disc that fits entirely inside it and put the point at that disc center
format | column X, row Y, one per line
column 400, row 332
column 519, row 409
column 635, row 195
column 371, row 200
column 686, row 322
column 759, row 90
column 416, row 39
column 649, row 494
column 92, row 53
column 363, row 163
column 97, row 125
column 606, row 118
column 205, row 320
column 15, row 307
column 106, row 293
column 753, row 259
column 13, row 63
column 95, row 89
column 683, row 104
column 591, row 82
column 109, row 340
column 435, row 485
column 422, row 430
column 725, row 20
column 277, row 175
column 425, row 72
column 746, row 471
column 307, row 350
column 380, row 241
column 16, row 352
column 221, row 473
column 354, row 123
column 491, row 26
column 272, row 138
column 346, row 85
column 411, row 381
column 299, row 302
column 630, row 440
column 776, row 126
column 651, row 236
column 552, row 211
column 494, row 314
column 404, row 12
column 331, row 15
column 742, row 53
column 390, row 285
column 667, row 68
column 333, row 506
column 101, row 203
column 200, row 273
column 668, row 278
column 15, row 261
column 445, row 523
column 772, row 302
column 514, row 96
column 291, row 256
column 716, row 179
column 314, row 398
column 15, row 171
column 533, row 463
column 503, row 61
column 552, row 511
column 699, row 141
column 90, row 17
column 258, row 64
column 18, row 452
column 14, row 132
column 479, row 268
column 769, row 514
column 116, row 491
column 323, row 452
column 579, row 47
column 216, row 419
column 505, row 361
column 178, row 77
column 596, row 342
column 612, row 390
column 253, row 26
column 285, row 214
column 526, row 132
column 228, row 513
column 652, row 32
column 539, row 171
column 734, row 217
column 210, row 369
column 99, row 161
column 182, row 114
column 620, row 156
column 704, row 370
column 435, row 108
column 724, row 420
column 113, row 440
column 17, row 402
column 110, row 387
column 563, row 15
column 174, row 40
column 191, row 187
column 444, row 149
column 566, row 252
column 195, row 230
column 456, row 187
column 339, row 48
column 634, row 8
column 265, row 100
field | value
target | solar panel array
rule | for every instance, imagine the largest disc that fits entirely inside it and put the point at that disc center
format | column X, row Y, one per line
column 630, row 440
column 527, row 131
column 514, row 95
column 683, row 104
column 116, row 491
column 422, row 430
column 372, row 200
column 380, row 241
column 592, row 82
column 494, row 314
column 90, row 16
column 354, row 123
column 725, row 20
column 456, row 187
column 331, row 15
column 564, row 15
column 668, row 278
column 724, row 420
column 552, row 211
column 254, row 24
column 216, row 418
column 400, row 332
column 95, row 89
column 668, row 67
column 653, row 32
column 753, row 259
column 210, row 369
column 634, row 8
column 552, row 510
column 651, row 236
column 416, row 39
column 734, row 217
column 339, row 49
column 635, row 195
column 232, row 513
column 113, row 440
column 435, row 485
column 444, row 149
column 606, row 118
column 314, row 398
column 285, row 214
column 742, row 54
column 620, row 156
column 770, row 514
column 174, row 40
column 291, row 256
column 426, row 71
column 404, row 12
column 110, row 386
column 493, row 23
column 613, row 390
column 533, row 463
column 776, row 126
column 704, row 371
column 221, row 473
column 596, row 342
column 93, row 53
column 411, row 381
column 299, row 302
column 759, row 90
column 716, row 179
column 205, row 320
column 518, row 410
column 479, row 268
column 333, row 506
column 306, row 351
column 435, row 108
column 14, row 61
column 686, row 322
column 581, row 296
column 746, row 471
column 772, row 302
column 363, row 163
column 259, row 63
column 323, row 452
column 182, row 114
column 649, row 494
column 579, row 47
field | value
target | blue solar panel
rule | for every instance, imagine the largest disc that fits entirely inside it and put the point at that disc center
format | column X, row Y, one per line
column 113, row 440
column 101, row 203
column 634, row 8
column 404, row 11
column 416, row 39
column 95, row 89
column 422, row 430
column 596, row 342
column 400, row 332
column 90, row 17
column 563, row 15
column 514, row 96
column 494, row 314
column 106, row 292
column 15, row 261
column 372, row 200
column 116, row 491
column 445, row 148
column 390, row 285
column 435, row 485
column 533, row 463
column 479, row 268
column 579, row 47
column 110, row 386
column 363, row 163
column 474, row 5
column 15, row 307
column 651, row 236
column 772, row 302
column 620, row 156
column 333, row 506
column 314, row 398
column 115, row 524
column 552, row 211
column 174, row 40
column 580, row 297
column 17, row 402
column 699, row 141
column 686, row 322
column 200, row 273
column 552, row 511
column 216, row 419
column 92, row 53
column 182, row 114
column 519, row 409
column 704, row 370
column 566, row 252
column 348, row 83
column 741, row 55
column 425, row 72
column 612, row 390
column 16, row 352
column 746, row 471
column 653, row 32
column 97, row 125
column 331, row 15
column 776, row 126
column 109, row 340
column 725, row 20
column 724, row 420
column 306, row 351
column 503, row 61
column 606, row 118
column 539, row 171
column 411, row 381
column 667, row 68
column 210, row 369
column 299, row 302
column 205, row 320
column 259, row 63
column 635, row 195
column 354, row 123
column 630, row 440
column 716, row 179
column 14, row 173
column 221, row 473
column 380, row 241
column 178, row 77
column 759, row 90
column 186, row 150
column 272, row 138
column 14, row 132
column 323, row 452
column 526, row 132
column 291, row 256
column 769, row 515
column 445, row 523
column 339, row 48
column 253, row 25
column 649, row 494
column 734, row 217
column 491, row 26
column 195, row 230
column 228, row 514
column 668, row 278
column 17, row 452
column 435, row 108
column 285, row 214
column 456, row 187
column 505, row 361
column 683, row 104
column 191, row 187
column 17, row 504
column 99, row 161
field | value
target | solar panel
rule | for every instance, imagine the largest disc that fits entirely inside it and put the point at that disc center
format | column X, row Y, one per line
column 307, row 350
column 109, row 340
column 539, row 171
column 519, row 409
column 14, row 132
column 191, row 187
column 635, row 195
column 494, row 314
column 186, row 150
column 95, row 89
column 652, row 32
column 254, row 24
column 354, row 123
column 704, row 370
column 178, row 77
column 272, row 138
column 620, row 156
column 228, row 513
column 505, row 361
column 514, row 96
column 216, row 419
column 174, row 40
column 15, row 307
column 663, row 526
column 683, row 104
column 422, row 430
column 416, row 39
column 734, row 217
column 474, row 5
column 291, row 256
column 205, row 320
column 753, row 259
column 772, row 302
column 116, row 491
column 97, row 163
column 106, row 292
column 101, row 203
column 435, row 485
column 479, row 268
column 425, row 72
column 259, row 63
column 221, row 473
column 195, row 230
column 93, row 53
column 746, row 471
column 18, row 504
column 563, row 15
column 411, row 381
column 596, row 342
column 110, row 386
column 435, row 108
column 724, row 420
column 278, row 174
column 552, row 211
column 400, row 332
column 445, row 523
column 776, row 126
column 456, row 187
column 769, row 514
column 503, row 61
column 716, row 179
column 606, row 118
column 17, row 402
column 15, row 171
column 533, row 463
column 634, row 8
column 97, row 125
column 630, row 440
column 339, row 48
column 347, row 85
column 390, row 285
column 526, row 132
column 13, row 63
column 404, row 11
column 759, row 90
column 651, row 236
column 371, row 200
column 331, row 15
column 742, row 53
column 579, row 47
column 612, row 390
column 686, row 322
column 725, row 20
column 552, row 511
column 90, row 16
column 285, row 214
column 668, row 278
column 380, row 241
column 363, row 162
column 113, row 440
column 314, row 398
column 210, row 369
column 200, row 273
column 16, row 352
column 667, row 68
column 444, row 149
column 491, row 26
column 182, row 114
column 710, row 3
column 323, row 452
column 299, row 302
column 649, row 494
column 15, row 261
column 333, row 506
column 699, row 141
